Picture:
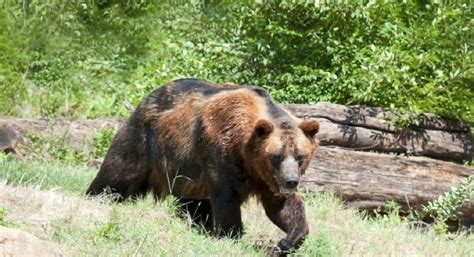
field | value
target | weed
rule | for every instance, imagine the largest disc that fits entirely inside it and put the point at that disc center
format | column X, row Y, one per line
column 444, row 208
column 390, row 215
column 3, row 214
column 319, row 244
column 101, row 142
column 109, row 230
column 3, row 222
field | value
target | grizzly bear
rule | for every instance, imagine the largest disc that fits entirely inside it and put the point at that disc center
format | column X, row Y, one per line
column 212, row 146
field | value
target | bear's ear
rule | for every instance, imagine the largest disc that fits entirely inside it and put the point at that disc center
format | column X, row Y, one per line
column 310, row 127
column 263, row 128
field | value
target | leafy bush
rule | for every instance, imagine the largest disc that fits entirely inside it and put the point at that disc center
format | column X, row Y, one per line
column 83, row 59
column 413, row 56
column 445, row 207
column 13, row 64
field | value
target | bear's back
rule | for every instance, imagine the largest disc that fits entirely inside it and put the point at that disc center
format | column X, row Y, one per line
column 175, row 92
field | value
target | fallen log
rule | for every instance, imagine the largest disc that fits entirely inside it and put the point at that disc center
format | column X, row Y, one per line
column 370, row 129
column 371, row 117
column 367, row 180
column 443, row 145
column 16, row 133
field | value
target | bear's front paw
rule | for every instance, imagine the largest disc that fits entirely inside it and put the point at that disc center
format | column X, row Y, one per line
column 283, row 247
column 277, row 252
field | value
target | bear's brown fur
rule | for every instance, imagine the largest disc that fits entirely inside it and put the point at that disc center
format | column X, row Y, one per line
column 213, row 146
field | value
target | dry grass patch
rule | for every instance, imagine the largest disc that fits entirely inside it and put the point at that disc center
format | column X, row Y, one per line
column 96, row 227
column 35, row 210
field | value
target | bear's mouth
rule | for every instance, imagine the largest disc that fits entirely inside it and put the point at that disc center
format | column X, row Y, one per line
column 286, row 192
column 283, row 189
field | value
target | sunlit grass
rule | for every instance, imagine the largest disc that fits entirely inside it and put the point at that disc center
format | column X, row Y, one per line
column 48, row 201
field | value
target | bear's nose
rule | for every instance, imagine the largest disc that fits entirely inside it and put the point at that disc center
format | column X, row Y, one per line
column 292, row 182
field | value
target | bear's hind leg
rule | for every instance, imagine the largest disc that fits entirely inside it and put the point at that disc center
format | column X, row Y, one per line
column 123, row 177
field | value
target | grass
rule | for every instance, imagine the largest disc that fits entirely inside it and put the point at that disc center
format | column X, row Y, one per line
column 71, row 177
column 46, row 199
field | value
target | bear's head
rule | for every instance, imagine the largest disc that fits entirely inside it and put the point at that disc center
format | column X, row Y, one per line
column 281, row 150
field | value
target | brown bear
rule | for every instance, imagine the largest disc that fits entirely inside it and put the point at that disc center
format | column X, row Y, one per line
column 212, row 146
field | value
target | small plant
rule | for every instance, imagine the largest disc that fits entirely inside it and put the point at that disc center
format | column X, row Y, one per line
column 444, row 208
column 37, row 144
column 321, row 244
column 390, row 214
column 404, row 119
column 3, row 222
column 63, row 153
column 101, row 142
column 107, row 230
column 3, row 214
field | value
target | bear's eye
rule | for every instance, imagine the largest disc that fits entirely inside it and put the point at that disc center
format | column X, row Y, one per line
column 276, row 158
column 299, row 157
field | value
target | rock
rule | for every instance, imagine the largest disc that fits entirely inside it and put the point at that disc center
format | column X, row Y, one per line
column 14, row 242
column 8, row 138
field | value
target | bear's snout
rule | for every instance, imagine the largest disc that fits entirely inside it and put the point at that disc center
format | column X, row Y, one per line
column 289, row 176
column 292, row 182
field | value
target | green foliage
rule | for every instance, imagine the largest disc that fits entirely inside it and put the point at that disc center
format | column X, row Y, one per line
column 83, row 59
column 444, row 208
column 3, row 214
column 13, row 63
column 101, row 141
column 391, row 54
column 320, row 243
column 60, row 150
column 390, row 215
column 109, row 230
